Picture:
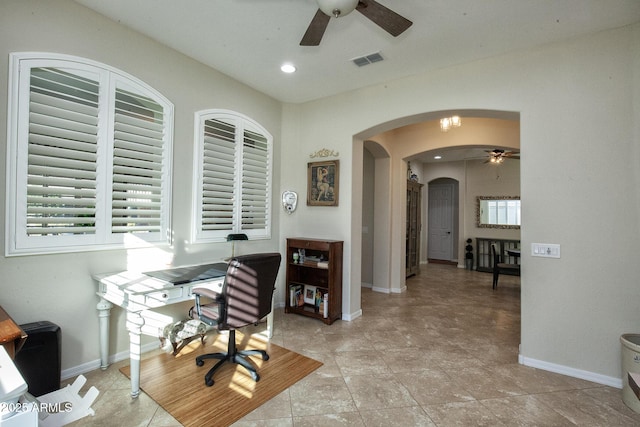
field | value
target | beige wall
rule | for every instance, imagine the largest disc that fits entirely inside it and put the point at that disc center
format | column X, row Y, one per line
column 59, row 287
column 580, row 177
column 578, row 103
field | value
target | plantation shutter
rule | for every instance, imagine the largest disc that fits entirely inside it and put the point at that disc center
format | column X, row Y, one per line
column 234, row 181
column 218, row 175
column 62, row 151
column 88, row 158
column 138, row 161
column 255, row 181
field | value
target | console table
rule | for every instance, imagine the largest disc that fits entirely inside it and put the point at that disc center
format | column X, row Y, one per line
column 139, row 293
column 484, row 261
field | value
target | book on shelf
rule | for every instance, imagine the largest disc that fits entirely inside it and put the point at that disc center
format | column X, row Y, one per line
column 296, row 297
column 325, row 305
column 317, row 264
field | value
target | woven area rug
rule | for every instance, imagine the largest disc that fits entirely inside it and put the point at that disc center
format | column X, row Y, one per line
column 177, row 384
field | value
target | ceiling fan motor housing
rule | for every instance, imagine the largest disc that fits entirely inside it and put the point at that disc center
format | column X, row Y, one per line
column 336, row 8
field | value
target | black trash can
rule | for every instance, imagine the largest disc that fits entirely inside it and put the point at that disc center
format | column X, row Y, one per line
column 39, row 360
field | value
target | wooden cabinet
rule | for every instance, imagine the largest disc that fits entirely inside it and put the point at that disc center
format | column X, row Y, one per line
column 314, row 282
column 12, row 337
column 414, row 225
column 484, row 258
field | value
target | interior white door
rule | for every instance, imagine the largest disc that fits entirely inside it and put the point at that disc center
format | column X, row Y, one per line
column 440, row 222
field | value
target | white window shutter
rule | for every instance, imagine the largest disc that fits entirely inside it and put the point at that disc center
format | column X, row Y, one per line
column 89, row 157
column 62, row 151
column 255, row 182
column 217, row 175
column 138, row 162
column 233, row 177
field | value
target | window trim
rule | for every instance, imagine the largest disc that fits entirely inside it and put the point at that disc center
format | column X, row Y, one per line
column 242, row 122
column 17, row 147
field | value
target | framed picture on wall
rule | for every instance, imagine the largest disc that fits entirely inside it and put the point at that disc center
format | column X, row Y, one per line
column 323, row 183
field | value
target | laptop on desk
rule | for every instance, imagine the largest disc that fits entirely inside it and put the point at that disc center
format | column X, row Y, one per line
column 189, row 274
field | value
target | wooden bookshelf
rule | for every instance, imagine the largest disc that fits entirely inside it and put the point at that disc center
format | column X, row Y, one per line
column 318, row 274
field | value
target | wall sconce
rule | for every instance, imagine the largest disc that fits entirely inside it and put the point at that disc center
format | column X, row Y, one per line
column 449, row 122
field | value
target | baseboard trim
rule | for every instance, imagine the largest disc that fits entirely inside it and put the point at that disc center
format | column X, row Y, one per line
column 95, row 364
column 442, row 261
column 571, row 372
column 352, row 316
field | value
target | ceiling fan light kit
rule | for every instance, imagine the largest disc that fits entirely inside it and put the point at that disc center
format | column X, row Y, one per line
column 337, row 8
column 498, row 156
column 382, row 16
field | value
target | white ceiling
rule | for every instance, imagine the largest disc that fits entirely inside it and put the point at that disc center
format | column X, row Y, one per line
column 250, row 39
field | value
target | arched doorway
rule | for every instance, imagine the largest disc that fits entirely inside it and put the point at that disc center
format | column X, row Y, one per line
column 396, row 142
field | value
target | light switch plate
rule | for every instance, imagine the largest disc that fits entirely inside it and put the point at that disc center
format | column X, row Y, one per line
column 546, row 250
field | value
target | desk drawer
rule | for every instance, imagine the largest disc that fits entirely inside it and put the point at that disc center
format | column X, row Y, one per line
column 155, row 299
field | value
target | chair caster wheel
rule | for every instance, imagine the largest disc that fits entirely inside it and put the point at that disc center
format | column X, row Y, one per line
column 256, row 377
column 208, row 383
column 199, row 362
column 265, row 357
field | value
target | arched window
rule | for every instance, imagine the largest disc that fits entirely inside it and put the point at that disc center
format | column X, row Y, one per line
column 89, row 162
column 233, row 177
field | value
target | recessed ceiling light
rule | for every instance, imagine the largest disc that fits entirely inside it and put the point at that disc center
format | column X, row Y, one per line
column 437, row 157
column 288, row 68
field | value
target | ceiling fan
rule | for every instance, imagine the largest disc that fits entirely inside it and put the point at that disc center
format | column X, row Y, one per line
column 498, row 156
column 385, row 18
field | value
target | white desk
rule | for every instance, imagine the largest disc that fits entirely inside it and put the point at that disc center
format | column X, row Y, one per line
column 138, row 294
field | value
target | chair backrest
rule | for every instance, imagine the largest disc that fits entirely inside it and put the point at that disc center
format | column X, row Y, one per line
column 248, row 289
column 496, row 259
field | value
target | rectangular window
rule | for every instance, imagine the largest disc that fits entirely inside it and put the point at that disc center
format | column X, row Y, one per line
column 89, row 157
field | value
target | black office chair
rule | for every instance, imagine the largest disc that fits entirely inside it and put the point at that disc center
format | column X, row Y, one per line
column 245, row 299
column 499, row 266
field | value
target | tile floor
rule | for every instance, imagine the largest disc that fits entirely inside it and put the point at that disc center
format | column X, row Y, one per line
column 442, row 354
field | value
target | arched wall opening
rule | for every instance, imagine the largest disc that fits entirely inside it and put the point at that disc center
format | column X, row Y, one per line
column 393, row 145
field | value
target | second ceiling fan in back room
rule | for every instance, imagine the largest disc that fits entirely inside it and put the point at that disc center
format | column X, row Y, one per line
column 385, row 18
column 498, row 156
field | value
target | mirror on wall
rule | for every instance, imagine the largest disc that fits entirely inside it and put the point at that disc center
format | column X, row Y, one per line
column 498, row 212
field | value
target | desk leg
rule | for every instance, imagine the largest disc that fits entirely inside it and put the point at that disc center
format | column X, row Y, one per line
column 270, row 322
column 104, row 313
column 134, row 325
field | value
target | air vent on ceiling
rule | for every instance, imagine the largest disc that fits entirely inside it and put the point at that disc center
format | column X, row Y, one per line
column 361, row 61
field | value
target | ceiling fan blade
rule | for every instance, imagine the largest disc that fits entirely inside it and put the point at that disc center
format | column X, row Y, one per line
column 315, row 31
column 387, row 19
